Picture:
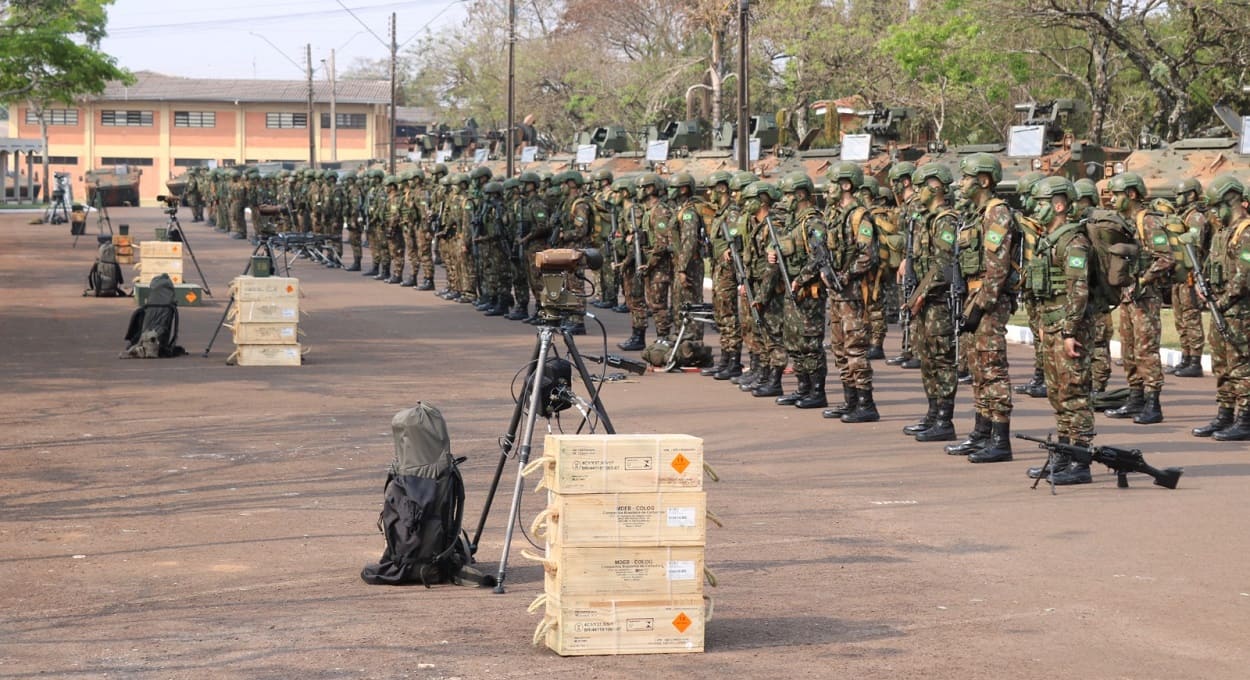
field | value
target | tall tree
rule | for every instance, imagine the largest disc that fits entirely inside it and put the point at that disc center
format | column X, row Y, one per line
column 49, row 54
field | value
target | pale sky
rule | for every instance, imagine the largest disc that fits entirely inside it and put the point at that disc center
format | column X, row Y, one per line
column 213, row 39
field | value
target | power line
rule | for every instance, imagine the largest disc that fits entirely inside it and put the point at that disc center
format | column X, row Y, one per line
column 210, row 24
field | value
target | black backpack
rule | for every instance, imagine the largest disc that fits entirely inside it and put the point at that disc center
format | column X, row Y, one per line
column 105, row 277
column 423, row 507
column 153, row 329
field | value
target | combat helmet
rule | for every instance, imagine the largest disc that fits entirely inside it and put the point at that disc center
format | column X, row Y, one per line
column 511, row 184
column 718, row 177
column 493, row 187
column 439, row 169
column 649, row 179
column 848, row 171
column 870, row 185
column 900, row 170
column 939, row 170
column 1085, row 188
column 480, row 172
column 528, row 177
column 1124, row 181
column 569, row 176
column 741, row 180
column 1186, row 186
column 682, row 179
column 1049, row 187
column 1024, row 188
column 758, row 189
column 1221, row 186
column 601, row 175
column 623, row 184
column 794, row 181
column 977, row 163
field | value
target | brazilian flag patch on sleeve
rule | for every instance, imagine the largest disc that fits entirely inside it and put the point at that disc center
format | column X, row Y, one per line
column 1245, row 255
column 866, row 231
column 1076, row 262
column 1159, row 239
column 948, row 236
column 994, row 237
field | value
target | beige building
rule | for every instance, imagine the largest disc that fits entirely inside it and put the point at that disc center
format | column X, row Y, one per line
column 163, row 125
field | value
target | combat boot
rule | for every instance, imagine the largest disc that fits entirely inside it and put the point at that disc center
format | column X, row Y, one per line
column 770, row 385
column 426, row 284
column 747, row 384
column 805, row 386
column 354, row 266
column 636, row 342
column 1223, row 419
column 1037, row 391
column 621, row 308
column 898, row 360
column 943, row 429
column 485, row 303
column 816, row 395
column 850, row 401
column 912, row 363
column 865, row 410
column 876, row 352
column 408, row 282
column 976, row 439
column 1057, row 462
column 962, row 377
column 518, row 313
column 1191, row 367
column 925, row 423
column 750, row 373
column 384, row 272
column 498, row 308
column 733, row 367
column 1067, row 472
column 1238, row 431
column 372, row 271
column 1151, row 412
column 997, row 447
column 721, row 364
column 1039, row 378
column 1136, row 402
column 395, row 278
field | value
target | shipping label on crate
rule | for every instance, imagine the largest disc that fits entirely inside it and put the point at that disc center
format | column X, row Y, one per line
column 266, row 334
column 577, row 464
column 151, row 266
column 252, row 288
column 620, row 572
column 670, row 518
column 622, row 626
column 285, row 310
column 151, row 249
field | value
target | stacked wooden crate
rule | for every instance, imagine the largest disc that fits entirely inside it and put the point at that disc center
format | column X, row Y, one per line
column 625, row 527
column 264, row 320
column 159, row 257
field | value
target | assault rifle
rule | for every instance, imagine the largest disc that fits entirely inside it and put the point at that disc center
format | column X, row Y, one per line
column 958, row 289
column 740, row 271
column 781, row 259
column 910, row 282
column 1121, row 461
column 476, row 223
column 1204, row 289
column 633, row 225
column 610, row 242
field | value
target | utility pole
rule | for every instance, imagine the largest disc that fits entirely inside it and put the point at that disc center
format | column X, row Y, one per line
column 334, row 121
column 509, row 139
column 394, row 49
column 744, row 104
column 312, row 128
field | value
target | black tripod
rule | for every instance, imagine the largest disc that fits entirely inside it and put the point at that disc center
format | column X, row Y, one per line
column 539, row 383
column 174, row 232
column 261, row 248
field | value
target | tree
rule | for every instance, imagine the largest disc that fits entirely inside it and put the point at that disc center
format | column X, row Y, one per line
column 49, row 54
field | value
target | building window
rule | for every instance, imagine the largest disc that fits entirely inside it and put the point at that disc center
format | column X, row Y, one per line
column 228, row 162
column 117, row 160
column 286, row 120
column 53, row 117
column 55, row 160
column 191, row 162
column 345, row 121
column 195, row 119
column 126, row 118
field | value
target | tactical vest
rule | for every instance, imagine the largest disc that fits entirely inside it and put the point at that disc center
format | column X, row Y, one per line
column 973, row 239
column 848, row 228
column 1216, row 267
column 939, row 234
column 1044, row 279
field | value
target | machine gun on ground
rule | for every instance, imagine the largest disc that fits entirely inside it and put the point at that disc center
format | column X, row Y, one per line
column 1121, row 461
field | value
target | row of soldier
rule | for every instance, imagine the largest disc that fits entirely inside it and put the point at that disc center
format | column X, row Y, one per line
column 785, row 263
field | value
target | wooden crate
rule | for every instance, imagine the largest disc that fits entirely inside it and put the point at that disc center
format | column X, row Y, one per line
column 146, row 278
column 623, row 572
column 285, row 310
column 150, row 249
column 255, row 289
column 151, row 266
column 583, row 626
column 620, row 463
column 265, row 355
column 185, row 294
column 674, row 518
column 249, row 333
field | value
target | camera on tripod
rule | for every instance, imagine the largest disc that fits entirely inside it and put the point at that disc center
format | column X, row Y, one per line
column 555, row 264
column 171, row 204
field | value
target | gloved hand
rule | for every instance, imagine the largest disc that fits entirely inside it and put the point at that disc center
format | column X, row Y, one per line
column 972, row 319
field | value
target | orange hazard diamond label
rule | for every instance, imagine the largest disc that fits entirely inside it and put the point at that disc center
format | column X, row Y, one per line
column 191, row 296
column 680, row 463
column 682, row 622
column 290, row 288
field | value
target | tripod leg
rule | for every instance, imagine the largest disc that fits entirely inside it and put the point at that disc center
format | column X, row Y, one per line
column 218, row 328
column 526, row 444
column 509, row 444
column 187, row 244
column 591, row 387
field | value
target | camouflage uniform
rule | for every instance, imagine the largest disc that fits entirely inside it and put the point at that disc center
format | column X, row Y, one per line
column 769, row 293
column 633, row 281
column 604, row 238
column 852, row 244
column 688, row 260
column 658, row 228
column 352, row 202
column 803, row 330
column 394, row 221
column 933, row 335
column 466, row 259
column 378, row 242
column 238, row 201
column 725, row 285
column 1186, row 307
column 451, row 215
column 883, row 302
column 536, row 225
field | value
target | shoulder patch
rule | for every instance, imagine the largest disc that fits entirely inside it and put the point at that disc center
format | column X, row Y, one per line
column 865, row 230
column 688, row 215
column 818, row 233
column 733, row 231
column 1245, row 255
column 661, row 225
column 1159, row 239
column 994, row 237
column 1076, row 262
column 948, row 236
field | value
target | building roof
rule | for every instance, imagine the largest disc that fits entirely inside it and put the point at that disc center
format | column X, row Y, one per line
column 15, row 144
column 417, row 115
column 150, row 86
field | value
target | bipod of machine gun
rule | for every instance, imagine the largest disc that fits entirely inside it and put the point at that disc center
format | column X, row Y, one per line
column 1120, row 461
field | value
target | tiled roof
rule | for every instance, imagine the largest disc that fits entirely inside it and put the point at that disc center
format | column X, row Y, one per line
column 150, row 86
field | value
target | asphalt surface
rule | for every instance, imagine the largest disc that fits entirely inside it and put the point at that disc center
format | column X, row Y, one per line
column 186, row 519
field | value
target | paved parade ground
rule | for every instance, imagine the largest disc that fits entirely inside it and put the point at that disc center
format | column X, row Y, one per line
column 181, row 518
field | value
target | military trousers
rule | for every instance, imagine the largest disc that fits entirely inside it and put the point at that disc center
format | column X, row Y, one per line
column 1068, row 380
column 1187, row 313
column 688, row 289
column 395, row 247
column 803, row 331
column 1100, row 350
column 659, row 279
column 1139, row 343
column 987, row 361
column 933, row 339
column 848, row 336
column 725, row 307
column 772, row 344
column 635, row 290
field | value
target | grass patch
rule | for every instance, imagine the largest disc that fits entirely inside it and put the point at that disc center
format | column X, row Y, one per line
column 1170, row 339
